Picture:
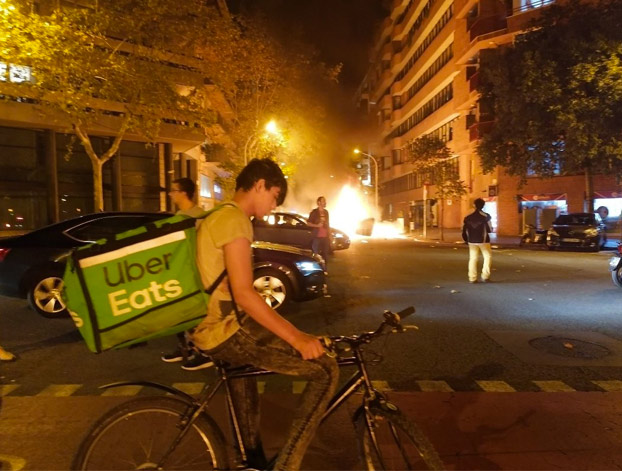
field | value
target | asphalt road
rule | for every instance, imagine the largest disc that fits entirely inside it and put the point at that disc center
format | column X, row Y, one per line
column 550, row 321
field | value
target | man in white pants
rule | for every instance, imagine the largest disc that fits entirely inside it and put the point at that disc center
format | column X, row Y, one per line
column 476, row 232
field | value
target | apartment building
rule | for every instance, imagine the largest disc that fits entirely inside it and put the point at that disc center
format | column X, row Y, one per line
column 423, row 78
column 46, row 176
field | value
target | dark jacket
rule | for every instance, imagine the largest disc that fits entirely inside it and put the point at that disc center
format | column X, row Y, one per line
column 314, row 218
column 477, row 227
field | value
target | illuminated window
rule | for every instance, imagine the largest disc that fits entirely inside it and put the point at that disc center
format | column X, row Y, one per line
column 217, row 192
column 206, row 187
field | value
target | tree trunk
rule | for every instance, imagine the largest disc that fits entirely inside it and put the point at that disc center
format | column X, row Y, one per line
column 98, row 186
column 589, row 188
column 441, row 216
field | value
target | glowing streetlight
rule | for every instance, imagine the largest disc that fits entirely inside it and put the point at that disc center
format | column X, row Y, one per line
column 271, row 129
column 358, row 151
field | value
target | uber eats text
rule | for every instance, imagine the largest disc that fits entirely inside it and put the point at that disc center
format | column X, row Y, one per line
column 122, row 302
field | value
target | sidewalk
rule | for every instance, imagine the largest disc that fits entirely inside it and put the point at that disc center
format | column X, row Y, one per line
column 454, row 237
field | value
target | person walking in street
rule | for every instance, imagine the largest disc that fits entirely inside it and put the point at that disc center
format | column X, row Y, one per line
column 319, row 220
column 476, row 232
column 241, row 329
column 182, row 194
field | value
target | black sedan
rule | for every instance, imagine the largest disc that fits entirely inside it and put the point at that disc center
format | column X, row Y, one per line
column 292, row 229
column 578, row 230
column 32, row 265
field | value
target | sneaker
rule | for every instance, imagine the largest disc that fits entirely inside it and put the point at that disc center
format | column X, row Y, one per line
column 472, row 281
column 198, row 363
column 487, row 280
column 177, row 356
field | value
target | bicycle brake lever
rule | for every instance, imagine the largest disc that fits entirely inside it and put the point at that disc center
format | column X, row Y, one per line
column 411, row 327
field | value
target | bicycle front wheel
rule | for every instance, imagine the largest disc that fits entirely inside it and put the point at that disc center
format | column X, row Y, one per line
column 390, row 441
column 137, row 435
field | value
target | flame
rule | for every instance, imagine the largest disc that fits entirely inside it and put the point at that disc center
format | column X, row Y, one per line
column 351, row 208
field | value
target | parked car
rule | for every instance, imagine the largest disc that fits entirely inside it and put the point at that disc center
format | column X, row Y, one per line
column 32, row 265
column 580, row 230
column 293, row 229
column 615, row 266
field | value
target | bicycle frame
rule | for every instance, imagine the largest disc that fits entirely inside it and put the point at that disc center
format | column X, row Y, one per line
column 360, row 378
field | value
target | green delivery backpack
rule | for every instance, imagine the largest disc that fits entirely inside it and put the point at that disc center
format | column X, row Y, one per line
column 142, row 284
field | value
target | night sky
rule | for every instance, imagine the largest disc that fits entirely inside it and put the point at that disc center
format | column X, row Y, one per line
column 341, row 30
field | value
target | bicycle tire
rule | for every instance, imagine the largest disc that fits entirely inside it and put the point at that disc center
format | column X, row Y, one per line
column 136, row 434
column 411, row 450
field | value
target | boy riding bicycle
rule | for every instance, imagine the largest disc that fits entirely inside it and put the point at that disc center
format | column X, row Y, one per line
column 249, row 332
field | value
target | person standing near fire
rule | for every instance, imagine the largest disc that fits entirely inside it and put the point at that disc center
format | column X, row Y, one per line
column 319, row 220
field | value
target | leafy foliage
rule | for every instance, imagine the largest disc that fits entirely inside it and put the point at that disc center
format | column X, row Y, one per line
column 557, row 94
column 265, row 79
column 430, row 155
column 113, row 67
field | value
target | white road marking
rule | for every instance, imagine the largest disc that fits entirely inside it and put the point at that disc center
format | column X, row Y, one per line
column 610, row 386
column 60, row 390
column 434, row 386
column 553, row 386
column 122, row 391
column 189, row 388
column 495, row 386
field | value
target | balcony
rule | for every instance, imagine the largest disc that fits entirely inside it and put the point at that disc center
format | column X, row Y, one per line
column 477, row 130
column 487, row 25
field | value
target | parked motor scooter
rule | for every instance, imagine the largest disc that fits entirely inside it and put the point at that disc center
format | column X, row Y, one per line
column 531, row 235
column 615, row 267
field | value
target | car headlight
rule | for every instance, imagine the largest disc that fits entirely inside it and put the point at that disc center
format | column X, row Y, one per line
column 592, row 232
column 553, row 233
column 338, row 236
column 308, row 267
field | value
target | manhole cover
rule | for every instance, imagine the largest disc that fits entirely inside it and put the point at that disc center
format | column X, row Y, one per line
column 569, row 347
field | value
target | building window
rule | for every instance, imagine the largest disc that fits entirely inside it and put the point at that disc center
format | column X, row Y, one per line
column 525, row 5
column 218, row 192
column 205, row 190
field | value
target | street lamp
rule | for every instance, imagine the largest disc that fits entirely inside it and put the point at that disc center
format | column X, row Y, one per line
column 270, row 128
column 358, row 151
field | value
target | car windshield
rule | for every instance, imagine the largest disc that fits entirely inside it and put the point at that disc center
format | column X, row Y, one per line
column 575, row 220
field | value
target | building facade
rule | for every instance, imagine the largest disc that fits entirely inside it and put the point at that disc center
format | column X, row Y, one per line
column 46, row 175
column 423, row 80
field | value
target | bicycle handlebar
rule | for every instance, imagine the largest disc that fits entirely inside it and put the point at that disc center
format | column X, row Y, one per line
column 391, row 319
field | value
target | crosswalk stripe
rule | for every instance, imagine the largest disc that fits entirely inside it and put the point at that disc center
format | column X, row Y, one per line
column 553, row 386
column 434, row 386
column 381, row 385
column 261, row 387
column 59, row 390
column 189, row 388
column 495, row 386
column 6, row 389
column 122, row 391
column 298, row 386
column 610, row 386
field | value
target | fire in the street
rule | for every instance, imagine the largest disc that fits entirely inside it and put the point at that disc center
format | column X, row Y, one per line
column 350, row 212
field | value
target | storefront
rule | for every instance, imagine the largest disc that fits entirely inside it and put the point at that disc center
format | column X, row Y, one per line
column 609, row 205
column 540, row 210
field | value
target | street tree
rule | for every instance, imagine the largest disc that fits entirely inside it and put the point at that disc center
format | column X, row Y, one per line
column 556, row 94
column 111, row 68
column 432, row 158
column 266, row 80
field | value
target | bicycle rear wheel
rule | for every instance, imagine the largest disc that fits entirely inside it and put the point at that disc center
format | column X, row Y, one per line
column 137, row 434
column 396, row 443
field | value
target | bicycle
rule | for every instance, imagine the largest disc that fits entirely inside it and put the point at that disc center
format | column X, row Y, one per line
column 154, row 433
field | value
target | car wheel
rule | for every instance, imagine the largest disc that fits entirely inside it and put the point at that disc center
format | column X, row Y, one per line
column 45, row 299
column 550, row 247
column 616, row 276
column 273, row 286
